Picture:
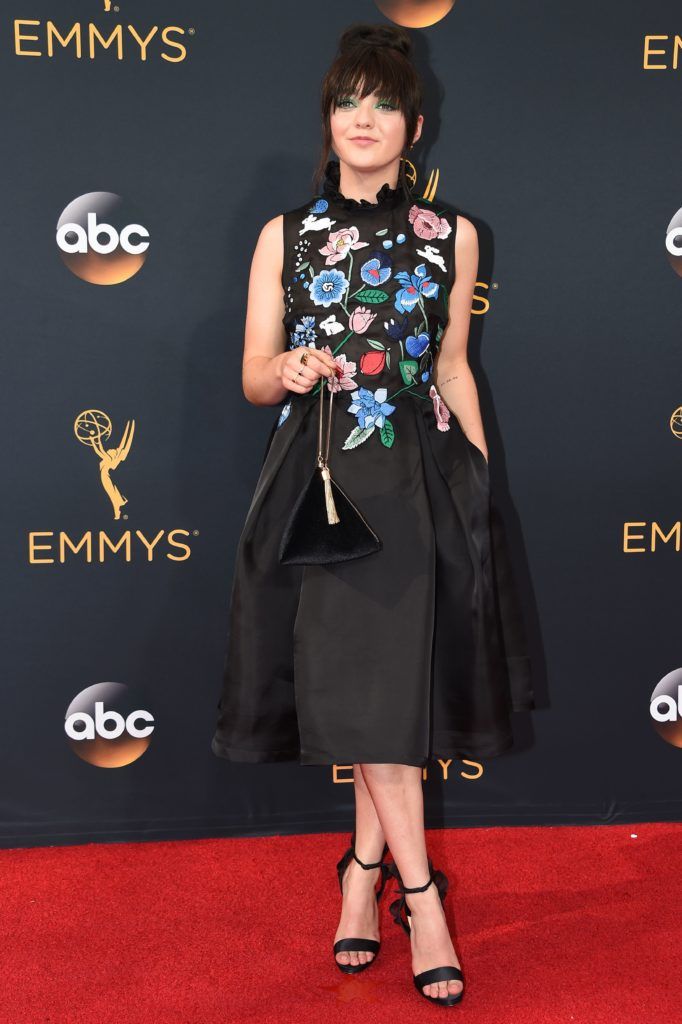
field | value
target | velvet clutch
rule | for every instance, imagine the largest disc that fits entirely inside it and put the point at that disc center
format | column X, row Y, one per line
column 325, row 526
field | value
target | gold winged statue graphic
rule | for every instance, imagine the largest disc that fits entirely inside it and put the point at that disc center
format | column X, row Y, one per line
column 93, row 428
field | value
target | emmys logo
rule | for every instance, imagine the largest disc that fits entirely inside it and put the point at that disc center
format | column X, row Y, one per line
column 35, row 38
column 104, row 727
column 655, row 534
column 665, row 708
column 100, row 238
column 92, row 428
column 343, row 773
column 45, row 547
column 669, row 51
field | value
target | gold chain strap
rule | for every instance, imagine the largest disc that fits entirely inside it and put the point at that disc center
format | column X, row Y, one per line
column 322, row 458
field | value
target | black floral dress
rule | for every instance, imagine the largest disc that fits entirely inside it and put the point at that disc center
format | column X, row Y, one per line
column 417, row 651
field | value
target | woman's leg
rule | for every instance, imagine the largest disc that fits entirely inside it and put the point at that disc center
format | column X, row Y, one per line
column 359, row 911
column 398, row 799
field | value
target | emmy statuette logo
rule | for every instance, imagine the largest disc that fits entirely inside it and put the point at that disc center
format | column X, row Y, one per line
column 93, row 429
column 641, row 536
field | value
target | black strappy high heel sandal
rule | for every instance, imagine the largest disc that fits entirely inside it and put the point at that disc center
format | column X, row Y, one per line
column 358, row 945
column 435, row 974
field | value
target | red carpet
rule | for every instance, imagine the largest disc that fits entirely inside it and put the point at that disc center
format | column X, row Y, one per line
column 552, row 925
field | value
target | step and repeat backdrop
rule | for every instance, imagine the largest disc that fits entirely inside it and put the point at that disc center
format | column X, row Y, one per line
column 144, row 146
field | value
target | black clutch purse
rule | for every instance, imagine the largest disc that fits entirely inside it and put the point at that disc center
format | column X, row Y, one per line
column 324, row 525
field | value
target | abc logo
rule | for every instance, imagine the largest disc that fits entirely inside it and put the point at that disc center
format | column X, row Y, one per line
column 673, row 242
column 100, row 238
column 666, row 707
column 105, row 728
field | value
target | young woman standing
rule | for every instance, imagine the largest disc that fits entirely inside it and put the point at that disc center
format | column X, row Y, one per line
column 416, row 651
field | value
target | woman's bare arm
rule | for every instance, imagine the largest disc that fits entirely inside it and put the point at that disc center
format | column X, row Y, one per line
column 453, row 373
column 268, row 366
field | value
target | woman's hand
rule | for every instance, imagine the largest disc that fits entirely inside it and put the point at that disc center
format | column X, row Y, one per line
column 301, row 377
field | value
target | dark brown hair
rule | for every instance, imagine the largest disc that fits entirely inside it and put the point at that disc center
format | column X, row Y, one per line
column 378, row 56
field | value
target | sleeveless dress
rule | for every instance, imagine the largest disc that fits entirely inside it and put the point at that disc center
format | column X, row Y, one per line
column 416, row 652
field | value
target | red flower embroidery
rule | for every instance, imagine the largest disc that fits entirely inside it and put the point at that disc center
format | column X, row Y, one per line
column 372, row 362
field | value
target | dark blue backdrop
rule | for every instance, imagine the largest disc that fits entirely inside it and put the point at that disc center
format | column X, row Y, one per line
column 550, row 133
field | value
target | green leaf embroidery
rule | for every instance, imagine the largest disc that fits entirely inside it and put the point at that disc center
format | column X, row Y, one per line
column 384, row 231
column 357, row 436
column 408, row 370
column 376, row 344
column 387, row 434
column 302, row 266
column 371, row 295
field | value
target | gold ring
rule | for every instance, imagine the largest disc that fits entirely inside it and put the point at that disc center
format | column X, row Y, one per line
column 304, row 357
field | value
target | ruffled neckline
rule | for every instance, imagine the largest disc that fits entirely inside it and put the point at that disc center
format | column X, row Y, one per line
column 386, row 197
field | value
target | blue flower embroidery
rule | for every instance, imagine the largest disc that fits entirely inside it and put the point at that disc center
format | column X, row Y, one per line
column 286, row 409
column 319, row 206
column 377, row 269
column 304, row 332
column 396, row 331
column 414, row 286
column 370, row 408
column 327, row 287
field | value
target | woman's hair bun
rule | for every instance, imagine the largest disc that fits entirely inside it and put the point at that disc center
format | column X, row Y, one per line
column 392, row 36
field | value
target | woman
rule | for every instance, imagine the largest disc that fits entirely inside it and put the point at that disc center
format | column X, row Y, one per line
column 415, row 651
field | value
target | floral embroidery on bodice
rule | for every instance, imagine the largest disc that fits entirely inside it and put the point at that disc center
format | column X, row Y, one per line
column 369, row 283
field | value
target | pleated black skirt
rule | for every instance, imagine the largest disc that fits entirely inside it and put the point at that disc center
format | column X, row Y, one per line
column 413, row 653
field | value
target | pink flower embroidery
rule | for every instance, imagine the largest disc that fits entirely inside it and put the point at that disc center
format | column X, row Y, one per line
column 346, row 370
column 339, row 243
column 428, row 224
column 360, row 319
column 440, row 409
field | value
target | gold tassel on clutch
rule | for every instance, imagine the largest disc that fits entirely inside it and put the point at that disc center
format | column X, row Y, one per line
column 322, row 457
column 332, row 514
column 305, row 538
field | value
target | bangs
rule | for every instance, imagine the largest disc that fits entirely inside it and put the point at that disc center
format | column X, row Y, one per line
column 367, row 74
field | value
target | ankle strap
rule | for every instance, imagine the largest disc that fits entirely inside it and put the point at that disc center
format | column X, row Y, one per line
column 416, row 888
column 367, row 866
